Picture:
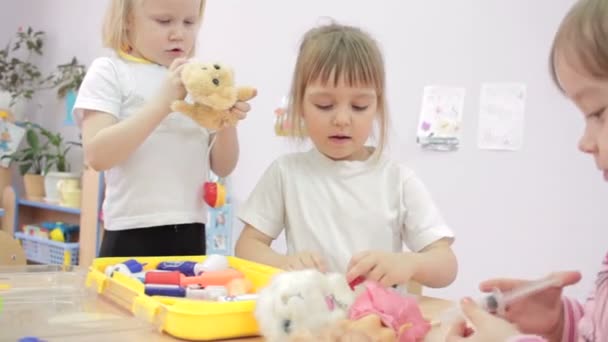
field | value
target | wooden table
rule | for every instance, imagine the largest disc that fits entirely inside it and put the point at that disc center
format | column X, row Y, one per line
column 430, row 308
column 108, row 320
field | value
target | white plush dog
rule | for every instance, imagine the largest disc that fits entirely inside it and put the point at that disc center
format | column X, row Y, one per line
column 300, row 300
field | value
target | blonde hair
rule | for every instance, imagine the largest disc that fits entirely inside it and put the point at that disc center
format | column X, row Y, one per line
column 114, row 32
column 582, row 37
column 339, row 51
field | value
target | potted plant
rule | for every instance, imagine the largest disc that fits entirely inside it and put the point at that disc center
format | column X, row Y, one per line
column 67, row 80
column 31, row 162
column 19, row 77
column 57, row 167
column 69, row 77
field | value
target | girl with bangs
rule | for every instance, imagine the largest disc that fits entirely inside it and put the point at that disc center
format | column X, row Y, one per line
column 345, row 206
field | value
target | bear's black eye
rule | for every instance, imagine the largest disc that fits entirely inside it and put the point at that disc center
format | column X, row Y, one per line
column 287, row 326
column 217, row 67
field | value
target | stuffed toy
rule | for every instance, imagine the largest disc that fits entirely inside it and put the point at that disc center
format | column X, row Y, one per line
column 306, row 300
column 311, row 306
column 213, row 93
column 367, row 329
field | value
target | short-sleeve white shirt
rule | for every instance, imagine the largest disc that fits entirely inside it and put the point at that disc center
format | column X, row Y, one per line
column 161, row 182
column 339, row 208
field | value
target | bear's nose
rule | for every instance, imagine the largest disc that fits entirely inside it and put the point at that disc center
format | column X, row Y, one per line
column 216, row 81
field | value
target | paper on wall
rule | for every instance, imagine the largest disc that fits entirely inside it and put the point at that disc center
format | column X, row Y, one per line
column 440, row 118
column 10, row 138
column 501, row 116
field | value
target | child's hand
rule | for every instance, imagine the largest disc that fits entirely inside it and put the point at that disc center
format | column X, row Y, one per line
column 240, row 109
column 486, row 327
column 541, row 313
column 173, row 88
column 304, row 260
column 384, row 267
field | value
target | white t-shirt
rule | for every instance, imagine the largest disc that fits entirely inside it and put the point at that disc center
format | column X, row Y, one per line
column 161, row 182
column 340, row 208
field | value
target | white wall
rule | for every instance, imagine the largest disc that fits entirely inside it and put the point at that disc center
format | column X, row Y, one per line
column 516, row 213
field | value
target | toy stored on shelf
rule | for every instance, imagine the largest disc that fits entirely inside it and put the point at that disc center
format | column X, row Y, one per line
column 60, row 231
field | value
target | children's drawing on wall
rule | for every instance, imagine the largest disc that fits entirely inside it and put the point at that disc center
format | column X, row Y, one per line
column 440, row 118
column 10, row 137
column 501, row 116
column 281, row 124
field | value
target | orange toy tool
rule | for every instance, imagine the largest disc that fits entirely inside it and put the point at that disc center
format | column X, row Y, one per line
column 213, row 278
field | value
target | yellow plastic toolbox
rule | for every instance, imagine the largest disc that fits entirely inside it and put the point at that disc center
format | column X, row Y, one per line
column 189, row 319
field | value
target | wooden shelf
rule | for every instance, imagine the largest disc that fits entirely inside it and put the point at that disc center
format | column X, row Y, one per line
column 49, row 206
column 18, row 212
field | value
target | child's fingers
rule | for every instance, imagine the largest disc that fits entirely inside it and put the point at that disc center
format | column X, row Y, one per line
column 239, row 113
column 377, row 274
column 356, row 258
column 567, row 278
column 177, row 63
column 319, row 263
column 178, row 72
column 503, row 284
column 361, row 268
column 458, row 331
column 242, row 106
column 476, row 314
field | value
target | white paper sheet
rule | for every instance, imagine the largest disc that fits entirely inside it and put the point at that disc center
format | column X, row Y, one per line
column 501, row 116
column 10, row 138
column 440, row 118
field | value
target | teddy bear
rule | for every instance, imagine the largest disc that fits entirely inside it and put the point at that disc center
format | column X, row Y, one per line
column 213, row 93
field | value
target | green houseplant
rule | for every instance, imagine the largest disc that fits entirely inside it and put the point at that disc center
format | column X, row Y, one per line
column 57, row 166
column 69, row 77
column 67, row 80
column 20, row 78
column 31, row 161
column 43, row 162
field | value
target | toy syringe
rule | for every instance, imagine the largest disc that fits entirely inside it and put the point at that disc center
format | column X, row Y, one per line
column 497, row 301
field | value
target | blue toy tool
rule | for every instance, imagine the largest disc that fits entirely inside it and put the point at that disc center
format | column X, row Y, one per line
column 187, row 268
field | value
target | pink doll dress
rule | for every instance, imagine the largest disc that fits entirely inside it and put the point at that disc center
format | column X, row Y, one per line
column 396, row 311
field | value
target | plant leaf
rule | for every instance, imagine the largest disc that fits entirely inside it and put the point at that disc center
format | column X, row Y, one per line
column 24, row 168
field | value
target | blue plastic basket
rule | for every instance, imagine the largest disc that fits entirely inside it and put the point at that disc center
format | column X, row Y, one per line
column 47, row 251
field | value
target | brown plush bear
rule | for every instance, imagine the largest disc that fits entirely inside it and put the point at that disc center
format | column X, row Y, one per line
column 211, row 87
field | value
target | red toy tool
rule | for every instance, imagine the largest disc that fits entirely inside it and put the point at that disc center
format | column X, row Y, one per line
column 214, row 194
